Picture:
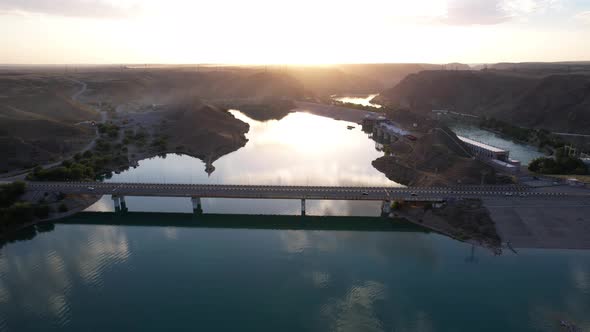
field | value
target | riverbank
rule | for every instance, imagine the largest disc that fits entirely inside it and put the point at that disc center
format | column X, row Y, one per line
column 434, row 159
column 467, row 221
column 30, row 208
column 332, row 111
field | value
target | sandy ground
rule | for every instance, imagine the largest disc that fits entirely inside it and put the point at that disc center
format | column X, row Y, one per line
column 543, row 222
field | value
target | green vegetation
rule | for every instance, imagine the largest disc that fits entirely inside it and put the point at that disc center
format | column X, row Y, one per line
column 14, row 212
column 62, row 208
column 109, row 129
column 87, row 166
column 138, row 138
column 160, row 143
column 538, row 137
column 9, row 193
column 561, row 164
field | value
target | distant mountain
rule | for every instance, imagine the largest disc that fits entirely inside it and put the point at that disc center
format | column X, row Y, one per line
column 359, row 78
column 170, row 85
column 389, row 74
column 556, row 102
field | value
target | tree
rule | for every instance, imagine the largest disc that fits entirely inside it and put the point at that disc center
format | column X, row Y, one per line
column 42, row 211
column 62, row 208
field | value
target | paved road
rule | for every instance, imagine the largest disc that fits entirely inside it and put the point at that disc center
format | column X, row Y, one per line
column 296, row 192
column 570, row 134
column 79, row 92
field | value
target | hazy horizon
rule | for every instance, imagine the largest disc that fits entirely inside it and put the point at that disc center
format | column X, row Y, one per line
column 303, row 32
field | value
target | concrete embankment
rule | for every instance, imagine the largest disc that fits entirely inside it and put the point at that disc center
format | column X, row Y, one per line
column 542, row 223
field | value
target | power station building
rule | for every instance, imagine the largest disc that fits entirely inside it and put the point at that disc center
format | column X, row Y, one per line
column 496, row 157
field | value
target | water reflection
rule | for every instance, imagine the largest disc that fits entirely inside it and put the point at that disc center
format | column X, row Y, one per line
column 278, row 279
column 38, row 277
column 300, row 149
column 359, row 100
column 355, row 310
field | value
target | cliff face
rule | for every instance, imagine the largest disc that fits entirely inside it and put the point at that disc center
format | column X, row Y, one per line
column 557, row 102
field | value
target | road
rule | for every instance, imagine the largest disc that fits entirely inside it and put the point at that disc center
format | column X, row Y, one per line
column 21, row 174
column 75, row 96
column 298, row 192
column 573, row 135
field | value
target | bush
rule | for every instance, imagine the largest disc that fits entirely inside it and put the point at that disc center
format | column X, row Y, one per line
column 42, row 211
column 62, row 208
column 9, row 193
column 561, row 165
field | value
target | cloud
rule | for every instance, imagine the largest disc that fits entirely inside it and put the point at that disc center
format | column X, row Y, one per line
column 72, row 8
column 485, row 12
column 471, row 12
column 583, row 16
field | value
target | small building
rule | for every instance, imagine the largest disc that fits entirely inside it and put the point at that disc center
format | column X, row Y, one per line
column 480, row 149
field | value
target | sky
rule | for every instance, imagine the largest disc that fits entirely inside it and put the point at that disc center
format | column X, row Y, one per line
column 292, row 31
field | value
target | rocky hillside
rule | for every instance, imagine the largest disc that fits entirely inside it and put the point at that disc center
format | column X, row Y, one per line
column 170, row 85
column 437, row 158
column 555, row 102
column 38, row 120
column 203, row 131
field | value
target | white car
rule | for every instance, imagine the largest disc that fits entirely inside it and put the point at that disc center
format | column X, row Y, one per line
column 90, row 188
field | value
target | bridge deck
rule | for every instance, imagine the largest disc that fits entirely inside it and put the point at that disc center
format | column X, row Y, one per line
column 288, row 192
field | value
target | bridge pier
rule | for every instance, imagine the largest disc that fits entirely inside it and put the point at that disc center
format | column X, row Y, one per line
column 303, row 206
column 197, row 207
column 385, row 208
column 116, row 203
column 123, row 204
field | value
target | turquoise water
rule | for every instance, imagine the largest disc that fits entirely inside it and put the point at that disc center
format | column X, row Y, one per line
column 236, row 271
column 523, row 152
column 148, row 278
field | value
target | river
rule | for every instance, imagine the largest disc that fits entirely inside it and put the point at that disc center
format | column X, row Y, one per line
column 519, row 151
column 231, row 271
column 364, row 100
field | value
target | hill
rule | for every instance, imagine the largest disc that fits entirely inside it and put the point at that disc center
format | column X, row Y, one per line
column 555, row 102
column 166, row 86
column 38, row 120
column 438, row 158
column 202, row 130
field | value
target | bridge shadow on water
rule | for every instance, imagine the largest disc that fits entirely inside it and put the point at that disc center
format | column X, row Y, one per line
column 277, row 222
column 228, row 221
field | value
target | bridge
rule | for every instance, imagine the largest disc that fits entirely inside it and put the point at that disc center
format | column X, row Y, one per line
column 195, row 192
